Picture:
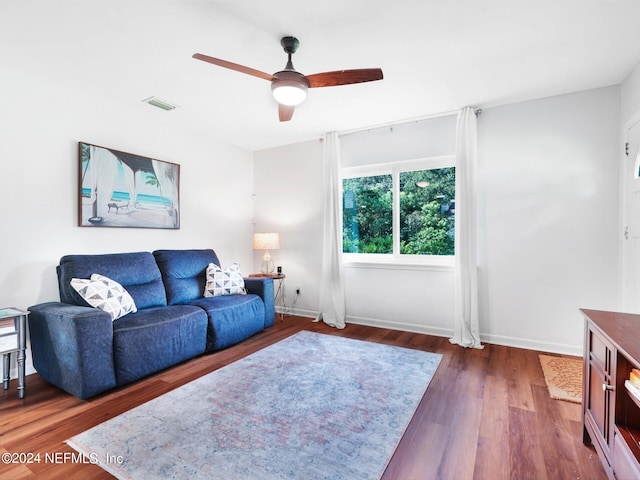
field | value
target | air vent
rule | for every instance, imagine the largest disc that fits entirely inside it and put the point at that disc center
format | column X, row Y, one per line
column 156, row 102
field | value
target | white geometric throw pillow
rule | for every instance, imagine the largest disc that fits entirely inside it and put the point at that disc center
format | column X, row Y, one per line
column 106, row 294
column 224, row 282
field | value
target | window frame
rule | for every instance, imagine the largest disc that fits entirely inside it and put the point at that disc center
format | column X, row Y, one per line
column 396, row 259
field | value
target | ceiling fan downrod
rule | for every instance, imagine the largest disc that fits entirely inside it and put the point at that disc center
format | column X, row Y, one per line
column 290, row 45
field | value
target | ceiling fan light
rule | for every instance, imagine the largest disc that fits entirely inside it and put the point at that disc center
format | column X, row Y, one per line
column 289, row 88
column 289, row 93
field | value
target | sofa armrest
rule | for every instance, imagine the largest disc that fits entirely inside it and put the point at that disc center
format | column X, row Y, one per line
column 72, row 347
column 263, row 287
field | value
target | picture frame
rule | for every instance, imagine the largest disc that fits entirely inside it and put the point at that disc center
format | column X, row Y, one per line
column 120, row 189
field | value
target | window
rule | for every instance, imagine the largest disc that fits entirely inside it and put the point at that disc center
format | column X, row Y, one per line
column 427, row 209
column 401, row 210
column 367, row 218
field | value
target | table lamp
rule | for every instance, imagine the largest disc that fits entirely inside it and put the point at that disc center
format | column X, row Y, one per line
column 266, row 242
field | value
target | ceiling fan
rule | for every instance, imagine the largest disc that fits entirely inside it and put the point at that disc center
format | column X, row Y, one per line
column 289, row 87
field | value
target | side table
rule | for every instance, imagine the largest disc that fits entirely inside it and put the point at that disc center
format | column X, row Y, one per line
column 13, row 338
column 280, row 290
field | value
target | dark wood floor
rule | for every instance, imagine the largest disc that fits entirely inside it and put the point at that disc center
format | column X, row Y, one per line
column 486, row 414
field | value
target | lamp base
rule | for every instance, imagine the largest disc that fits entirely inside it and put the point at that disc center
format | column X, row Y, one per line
column 267, row 265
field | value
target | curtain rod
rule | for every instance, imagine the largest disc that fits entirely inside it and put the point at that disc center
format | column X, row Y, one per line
column 403, row 122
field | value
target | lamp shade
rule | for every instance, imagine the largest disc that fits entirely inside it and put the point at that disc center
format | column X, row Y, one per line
column 266, row 241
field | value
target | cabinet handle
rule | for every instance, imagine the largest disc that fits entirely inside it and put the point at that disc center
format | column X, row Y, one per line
column 606, row 387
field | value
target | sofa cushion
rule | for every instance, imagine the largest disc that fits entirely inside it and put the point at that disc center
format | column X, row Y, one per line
column 184, row 272
column 232, row 318
column 137, row 272
column 156, row 338
column 105, row 294
column 224, row 282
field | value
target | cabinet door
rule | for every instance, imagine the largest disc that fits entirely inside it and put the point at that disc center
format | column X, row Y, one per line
column 598, row 401
column 600, row 390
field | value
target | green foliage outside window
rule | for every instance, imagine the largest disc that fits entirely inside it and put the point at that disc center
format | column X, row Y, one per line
column 427, row 207
column 367, row 220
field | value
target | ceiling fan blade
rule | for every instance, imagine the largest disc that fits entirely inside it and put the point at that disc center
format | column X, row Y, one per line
column 344, row 77
column 233, row 66
column 285, row 112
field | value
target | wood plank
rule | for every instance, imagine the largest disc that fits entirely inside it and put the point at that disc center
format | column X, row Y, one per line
column 527, row 457
column 492, row 457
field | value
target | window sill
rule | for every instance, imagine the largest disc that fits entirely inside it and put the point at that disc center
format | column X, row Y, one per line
column 442, row 264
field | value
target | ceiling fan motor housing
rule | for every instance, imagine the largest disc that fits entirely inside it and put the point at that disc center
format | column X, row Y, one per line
column 290, row 44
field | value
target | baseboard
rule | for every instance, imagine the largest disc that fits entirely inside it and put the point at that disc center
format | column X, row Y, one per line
column 517, row 342
column 550, row 347
column 404, row 327
column 296, row 311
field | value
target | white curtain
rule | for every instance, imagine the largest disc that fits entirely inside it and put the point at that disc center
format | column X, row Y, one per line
column 105, row 168
column 130, row 178
column 466, row 330
column 332, row 302
column 167, row 176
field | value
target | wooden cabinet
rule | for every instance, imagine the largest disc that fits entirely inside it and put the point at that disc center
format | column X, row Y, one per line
column 611, row 414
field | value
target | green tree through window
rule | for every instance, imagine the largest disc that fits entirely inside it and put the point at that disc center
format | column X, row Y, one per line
column 367, row 223
column 425, row 217
column 427, row 208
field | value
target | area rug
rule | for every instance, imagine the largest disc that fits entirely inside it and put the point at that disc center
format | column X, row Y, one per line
column 563, row 376
column 312, row 406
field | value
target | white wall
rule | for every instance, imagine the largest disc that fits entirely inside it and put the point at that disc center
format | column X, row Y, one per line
column 427, row 138
column 549, row 217
column 548, row 220
column 40, row 126
column 630, row 95
column 288, row 200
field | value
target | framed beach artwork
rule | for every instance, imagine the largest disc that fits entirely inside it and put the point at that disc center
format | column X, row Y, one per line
column 119, row 189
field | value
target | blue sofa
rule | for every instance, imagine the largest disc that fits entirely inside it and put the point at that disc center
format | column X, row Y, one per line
column 84, row 352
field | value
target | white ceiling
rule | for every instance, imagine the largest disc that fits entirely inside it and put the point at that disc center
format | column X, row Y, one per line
column 436, row 55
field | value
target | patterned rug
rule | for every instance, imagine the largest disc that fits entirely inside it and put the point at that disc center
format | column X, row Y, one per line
column 312, row 406
column 563, row 376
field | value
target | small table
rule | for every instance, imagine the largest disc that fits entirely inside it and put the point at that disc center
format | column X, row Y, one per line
column 13, row 338
column 280, row 291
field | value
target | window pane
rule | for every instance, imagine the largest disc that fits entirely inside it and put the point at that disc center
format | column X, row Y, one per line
column 427, row 208
column 367, row 223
